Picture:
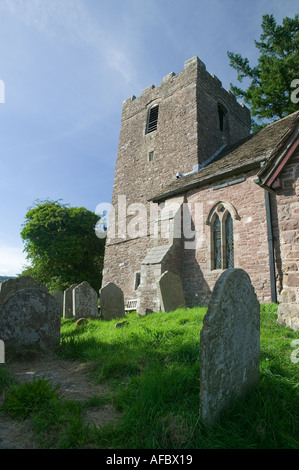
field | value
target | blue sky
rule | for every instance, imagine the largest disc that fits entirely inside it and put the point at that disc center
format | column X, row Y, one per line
column 67, row 66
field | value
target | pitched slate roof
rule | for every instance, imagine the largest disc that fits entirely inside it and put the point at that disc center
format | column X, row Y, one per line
column 244, row 155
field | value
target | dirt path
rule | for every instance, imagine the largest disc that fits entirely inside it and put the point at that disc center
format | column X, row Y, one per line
column 74, row 383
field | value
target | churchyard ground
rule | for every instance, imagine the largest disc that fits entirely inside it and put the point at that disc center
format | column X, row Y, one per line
column 137, row 386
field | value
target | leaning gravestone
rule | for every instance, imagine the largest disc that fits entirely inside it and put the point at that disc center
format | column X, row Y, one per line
column 85, row 302
column 112, row 301
column 30, row 317
column 68, row 301
column 11, row 286
column 170, row 292
column 229, row 344
column 58, row 295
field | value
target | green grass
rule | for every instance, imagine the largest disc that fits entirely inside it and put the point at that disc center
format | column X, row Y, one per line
column 151, row 367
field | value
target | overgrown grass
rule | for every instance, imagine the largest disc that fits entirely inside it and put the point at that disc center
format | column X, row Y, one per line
column 151, row 366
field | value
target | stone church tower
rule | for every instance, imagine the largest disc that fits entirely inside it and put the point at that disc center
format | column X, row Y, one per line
column 175, row 128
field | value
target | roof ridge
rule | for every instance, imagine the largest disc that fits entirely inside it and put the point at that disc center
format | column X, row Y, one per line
column 245, row 154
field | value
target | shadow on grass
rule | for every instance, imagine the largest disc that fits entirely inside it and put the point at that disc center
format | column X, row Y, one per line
column 155, row 373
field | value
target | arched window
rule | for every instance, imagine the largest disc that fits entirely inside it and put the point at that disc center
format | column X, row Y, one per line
column 152, row 119
column 221, row 221
column 217, row 243
column 229, row 241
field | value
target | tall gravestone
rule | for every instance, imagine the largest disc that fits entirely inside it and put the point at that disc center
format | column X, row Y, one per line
column 68, row 301
column 170, row 292
column 229, row 344
column 85, row 301
column 112, row 302
column 30, row 317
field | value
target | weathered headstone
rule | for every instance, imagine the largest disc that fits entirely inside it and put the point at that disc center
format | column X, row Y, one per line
column 85, row 301
column 11, row 286
column 112, row 301
column 30, row 317
column 58, row 295
column 68, row 301
column 170, row 292
column 229, row 344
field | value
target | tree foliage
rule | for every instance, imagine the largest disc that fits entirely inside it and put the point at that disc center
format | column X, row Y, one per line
column 269, row 92
column 62, row 246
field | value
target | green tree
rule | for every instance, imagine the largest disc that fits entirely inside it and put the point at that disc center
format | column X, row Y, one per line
column 270, row 90
column 62, row 246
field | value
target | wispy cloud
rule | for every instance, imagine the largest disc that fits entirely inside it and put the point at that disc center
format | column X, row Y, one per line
column 70, row 21
column 12, row 259
column 53, row 17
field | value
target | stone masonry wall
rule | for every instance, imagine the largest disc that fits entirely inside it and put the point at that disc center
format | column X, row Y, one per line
column 126, row 259
column 122, row 261
column 286, row 232
column 187, row 134
column 250, row 241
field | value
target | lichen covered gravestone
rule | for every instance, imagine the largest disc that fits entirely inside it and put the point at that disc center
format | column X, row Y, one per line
column 85, row 301
column 112, row 301
column 229, row 344
column 170, row 292
column 30, row 317
column 11, row 286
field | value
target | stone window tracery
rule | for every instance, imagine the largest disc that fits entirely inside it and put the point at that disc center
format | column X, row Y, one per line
column 221, row 221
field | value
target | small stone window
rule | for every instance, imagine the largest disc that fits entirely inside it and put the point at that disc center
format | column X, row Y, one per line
column 151, row 156
column 152, row 119
column 221, row 116
column 137, row 280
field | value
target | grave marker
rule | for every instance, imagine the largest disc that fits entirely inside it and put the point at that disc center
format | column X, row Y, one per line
column 229, row 344
column 85, row 301
column 170, row 292
column 112, row 301
column 30, row 317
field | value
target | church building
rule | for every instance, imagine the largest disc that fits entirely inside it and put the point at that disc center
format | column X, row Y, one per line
column 196, row 193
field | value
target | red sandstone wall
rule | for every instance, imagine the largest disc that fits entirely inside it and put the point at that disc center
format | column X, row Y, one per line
column 286, row 231
column 250, row 241
column 188, row 133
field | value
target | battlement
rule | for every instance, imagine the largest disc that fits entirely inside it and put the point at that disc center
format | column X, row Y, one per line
column 194, row 70
column 174, row 127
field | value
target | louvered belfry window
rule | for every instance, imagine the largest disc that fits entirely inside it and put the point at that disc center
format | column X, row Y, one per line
column 229, row 233
column 152, row 120
column 217, row 244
